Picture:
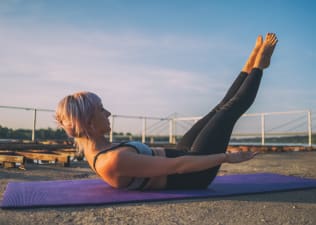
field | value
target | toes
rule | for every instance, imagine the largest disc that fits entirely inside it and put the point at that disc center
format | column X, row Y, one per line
column 259, row 42
column 259, row 39
column 274, row 40
column 267, row 37
column 271, row 38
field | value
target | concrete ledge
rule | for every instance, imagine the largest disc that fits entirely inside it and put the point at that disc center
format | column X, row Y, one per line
column 46, row 156
column 269, row 148
column 10, row 159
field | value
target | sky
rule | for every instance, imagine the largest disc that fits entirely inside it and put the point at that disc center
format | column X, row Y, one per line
column 152, row 58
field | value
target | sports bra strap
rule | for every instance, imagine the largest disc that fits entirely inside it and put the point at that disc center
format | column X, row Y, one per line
column 104, row 151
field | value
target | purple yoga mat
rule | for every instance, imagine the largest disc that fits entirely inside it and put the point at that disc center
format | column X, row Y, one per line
column 95, row 191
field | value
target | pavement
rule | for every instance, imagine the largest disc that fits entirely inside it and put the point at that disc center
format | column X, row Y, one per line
column 292, row 207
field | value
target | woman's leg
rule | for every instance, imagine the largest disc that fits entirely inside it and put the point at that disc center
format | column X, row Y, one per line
column 215, row 135
column 187, row 140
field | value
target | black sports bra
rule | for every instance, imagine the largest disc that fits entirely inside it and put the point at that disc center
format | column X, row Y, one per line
column 136, row 183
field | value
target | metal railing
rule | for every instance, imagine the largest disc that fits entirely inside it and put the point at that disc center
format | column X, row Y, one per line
column 263, row 131
column 35, row 110
column 169, row 126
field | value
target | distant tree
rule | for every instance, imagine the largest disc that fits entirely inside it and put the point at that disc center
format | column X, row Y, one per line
column 4, row 132
column 48, row 134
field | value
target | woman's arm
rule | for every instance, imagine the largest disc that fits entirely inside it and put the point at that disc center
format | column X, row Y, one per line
column 129, row 164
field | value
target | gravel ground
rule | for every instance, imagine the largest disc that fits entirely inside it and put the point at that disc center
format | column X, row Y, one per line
column 294, row 207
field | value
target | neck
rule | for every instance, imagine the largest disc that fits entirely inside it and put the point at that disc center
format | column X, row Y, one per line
column 92, row 144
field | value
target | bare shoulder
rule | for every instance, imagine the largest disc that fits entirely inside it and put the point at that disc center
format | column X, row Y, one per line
column 125, row 162
column 108, row 162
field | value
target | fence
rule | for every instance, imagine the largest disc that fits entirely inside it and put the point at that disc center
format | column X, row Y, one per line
column 292, row 127
column 11, row 118
column 261, row 128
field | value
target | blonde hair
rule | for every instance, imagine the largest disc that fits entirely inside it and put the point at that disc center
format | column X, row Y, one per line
column 74, row 113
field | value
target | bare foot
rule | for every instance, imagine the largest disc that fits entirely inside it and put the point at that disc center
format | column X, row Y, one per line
column 251, row 60
column 264, row 55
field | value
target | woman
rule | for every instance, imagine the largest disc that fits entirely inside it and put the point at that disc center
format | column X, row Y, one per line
column 195, row 161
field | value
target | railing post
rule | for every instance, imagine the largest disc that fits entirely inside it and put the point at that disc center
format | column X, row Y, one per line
column 309, row 123
column 170, row 131
column 144, row 130
column 34, row 126
column 112, row 127
column 173, row 131
column 262, row 129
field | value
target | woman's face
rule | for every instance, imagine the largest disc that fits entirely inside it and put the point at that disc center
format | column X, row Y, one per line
column 100, row 121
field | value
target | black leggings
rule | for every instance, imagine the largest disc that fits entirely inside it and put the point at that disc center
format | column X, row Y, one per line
column 211, row 134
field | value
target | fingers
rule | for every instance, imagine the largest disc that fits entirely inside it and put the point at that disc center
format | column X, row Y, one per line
column 238, row 157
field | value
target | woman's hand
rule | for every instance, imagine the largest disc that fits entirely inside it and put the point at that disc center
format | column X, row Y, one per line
column 237, row 157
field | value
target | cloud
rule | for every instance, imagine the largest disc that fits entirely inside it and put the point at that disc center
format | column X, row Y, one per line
column 41, row 65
